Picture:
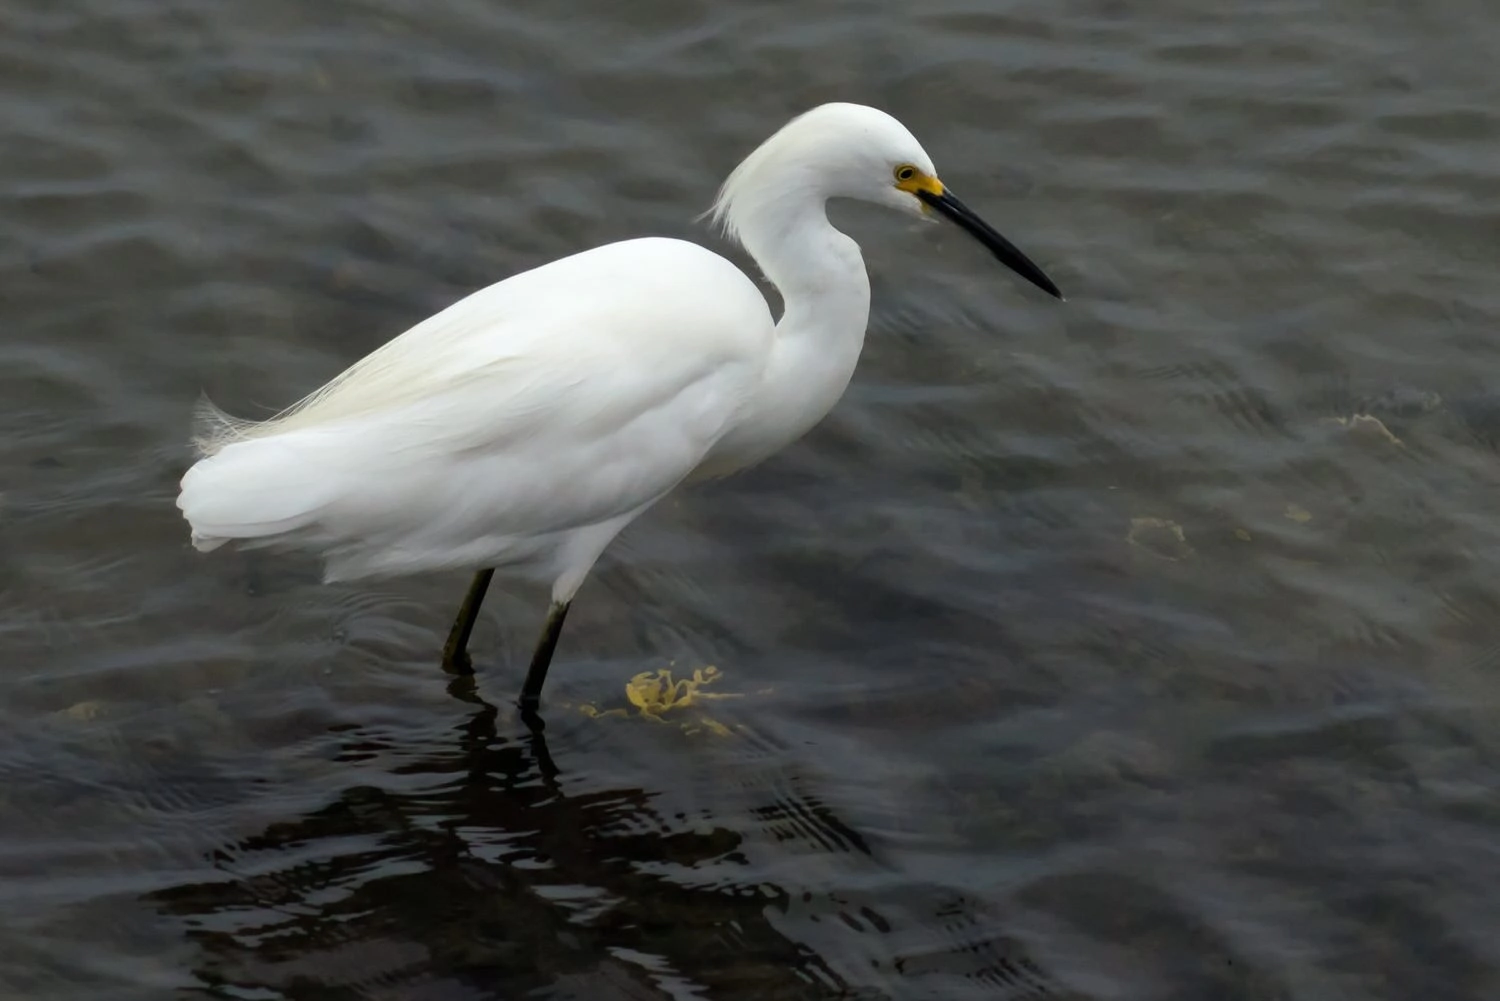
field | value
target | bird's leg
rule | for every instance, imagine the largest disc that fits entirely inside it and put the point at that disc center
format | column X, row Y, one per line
column 541, row 659
column 456, row 650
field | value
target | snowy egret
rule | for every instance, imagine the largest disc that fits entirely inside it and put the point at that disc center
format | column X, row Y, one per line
column 525, row 425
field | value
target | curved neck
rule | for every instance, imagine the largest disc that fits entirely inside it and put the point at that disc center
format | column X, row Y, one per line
column 825, row 293
column 818, row 271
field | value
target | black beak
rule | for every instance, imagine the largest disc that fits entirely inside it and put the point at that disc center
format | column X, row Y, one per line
column 946, row 205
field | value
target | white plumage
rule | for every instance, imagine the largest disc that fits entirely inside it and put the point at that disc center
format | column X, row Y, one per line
column 556, row 401
column 526, row 424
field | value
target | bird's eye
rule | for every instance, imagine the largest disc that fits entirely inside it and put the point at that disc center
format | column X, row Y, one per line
column 905, row 172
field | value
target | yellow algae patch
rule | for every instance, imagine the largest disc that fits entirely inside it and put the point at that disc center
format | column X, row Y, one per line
column 1365, row 426
column 658, row 696
column 1297, row 513
column 1159, row 537
column 654, row 692
column 594, row 712
column 91, row 709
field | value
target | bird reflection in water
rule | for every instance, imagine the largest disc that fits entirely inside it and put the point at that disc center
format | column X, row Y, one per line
column 487, row 880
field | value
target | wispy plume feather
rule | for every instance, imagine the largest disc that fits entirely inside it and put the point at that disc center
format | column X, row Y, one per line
column 771, row 171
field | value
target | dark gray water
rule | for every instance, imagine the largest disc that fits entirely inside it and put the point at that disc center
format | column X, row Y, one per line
column 1141, row 647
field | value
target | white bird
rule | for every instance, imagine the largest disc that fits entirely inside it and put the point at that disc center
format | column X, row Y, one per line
column 525, row 425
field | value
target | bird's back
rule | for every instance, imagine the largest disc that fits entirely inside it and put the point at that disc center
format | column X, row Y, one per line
column 557, row 399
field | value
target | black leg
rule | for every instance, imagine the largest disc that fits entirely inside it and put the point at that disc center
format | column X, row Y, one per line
column 456, row 650
column 541, row 659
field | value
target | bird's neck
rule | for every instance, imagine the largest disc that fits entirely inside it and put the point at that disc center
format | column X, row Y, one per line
column 825, row 292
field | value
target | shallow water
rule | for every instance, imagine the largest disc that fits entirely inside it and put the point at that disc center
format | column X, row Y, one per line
column 1139, row 647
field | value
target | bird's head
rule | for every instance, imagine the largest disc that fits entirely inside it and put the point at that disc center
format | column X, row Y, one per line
column 853, row 151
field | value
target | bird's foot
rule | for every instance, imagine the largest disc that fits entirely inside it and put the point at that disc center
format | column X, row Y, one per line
column 458, row 662
column 529, row 706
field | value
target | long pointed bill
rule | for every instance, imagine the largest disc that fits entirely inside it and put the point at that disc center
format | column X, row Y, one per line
column 1009, row 255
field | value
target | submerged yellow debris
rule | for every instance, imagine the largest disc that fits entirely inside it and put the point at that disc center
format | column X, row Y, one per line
column 657, row 693
column 1160, row 537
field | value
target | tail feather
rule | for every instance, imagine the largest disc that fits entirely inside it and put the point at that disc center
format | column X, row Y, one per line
column 254, row 489
column 213, row 429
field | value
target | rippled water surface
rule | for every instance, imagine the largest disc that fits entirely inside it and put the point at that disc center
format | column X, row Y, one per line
column 1145, row 646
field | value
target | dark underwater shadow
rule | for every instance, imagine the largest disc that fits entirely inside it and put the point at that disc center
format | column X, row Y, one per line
column 486, row 880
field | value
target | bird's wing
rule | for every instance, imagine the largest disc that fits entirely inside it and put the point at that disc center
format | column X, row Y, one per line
column 560, row 398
